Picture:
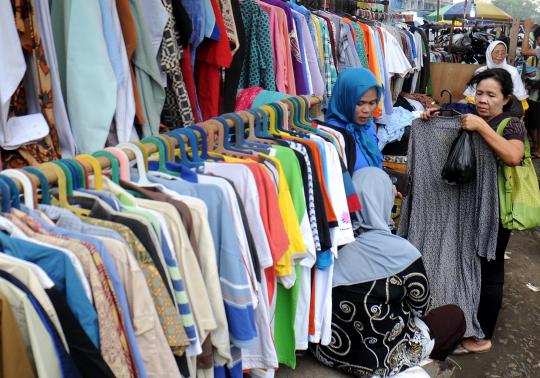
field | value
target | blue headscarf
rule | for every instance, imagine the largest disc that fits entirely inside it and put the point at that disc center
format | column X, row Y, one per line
column 351, row 85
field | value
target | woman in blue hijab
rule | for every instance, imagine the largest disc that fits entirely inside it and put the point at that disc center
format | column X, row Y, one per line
column 354, row 99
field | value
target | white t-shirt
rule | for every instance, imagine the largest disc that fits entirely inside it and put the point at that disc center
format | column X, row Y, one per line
column 398, row 64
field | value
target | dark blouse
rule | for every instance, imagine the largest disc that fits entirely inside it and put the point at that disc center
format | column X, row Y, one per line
column 515, row 130
column 373, row 327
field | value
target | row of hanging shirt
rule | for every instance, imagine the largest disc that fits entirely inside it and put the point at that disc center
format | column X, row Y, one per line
column 163, row 63
column 310, row 47
column 204, row 264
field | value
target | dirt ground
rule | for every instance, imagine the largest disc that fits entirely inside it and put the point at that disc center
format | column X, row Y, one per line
column 516, row 343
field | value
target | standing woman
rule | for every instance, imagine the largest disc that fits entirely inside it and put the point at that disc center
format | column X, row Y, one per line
column 493, row 98
column 496, row 54
column 532, row 118
column 354, row 99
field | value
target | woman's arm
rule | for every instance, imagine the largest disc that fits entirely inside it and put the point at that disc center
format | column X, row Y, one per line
column 509, row 151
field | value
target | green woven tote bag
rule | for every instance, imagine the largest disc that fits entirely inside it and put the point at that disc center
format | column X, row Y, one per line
column 519, row 194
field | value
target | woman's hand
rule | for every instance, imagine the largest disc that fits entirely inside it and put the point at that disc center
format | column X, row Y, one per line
column 429, row 113
column 471, row 122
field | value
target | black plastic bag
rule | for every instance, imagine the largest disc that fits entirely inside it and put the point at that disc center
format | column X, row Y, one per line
column 460, row 165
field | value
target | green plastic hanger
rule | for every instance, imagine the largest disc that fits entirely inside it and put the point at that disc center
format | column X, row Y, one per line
column 162, row 154
column 115, row 164
column 67, row 174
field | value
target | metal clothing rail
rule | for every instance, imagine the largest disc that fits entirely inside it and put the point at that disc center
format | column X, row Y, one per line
column 148, row 149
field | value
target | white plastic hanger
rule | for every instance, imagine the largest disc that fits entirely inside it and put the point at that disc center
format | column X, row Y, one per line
column 26, row 183
column 139, row 158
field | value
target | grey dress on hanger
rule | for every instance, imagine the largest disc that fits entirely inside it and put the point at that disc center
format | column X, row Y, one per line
column 452, row 226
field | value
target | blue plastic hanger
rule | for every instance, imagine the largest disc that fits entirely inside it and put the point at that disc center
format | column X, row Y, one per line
column 184, row 158
column 204, row 143
column 193, row 143
column 77, row 178
column 6, row 197
column 241, row 141
column 15, row 194
column 195, row 160
column 226, row 135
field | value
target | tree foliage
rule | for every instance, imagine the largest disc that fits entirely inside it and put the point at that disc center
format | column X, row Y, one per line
column 521, row 9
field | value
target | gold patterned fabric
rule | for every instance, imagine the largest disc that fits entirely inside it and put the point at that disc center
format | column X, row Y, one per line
column 48, row 148
column 169, row 318
column 113, row 341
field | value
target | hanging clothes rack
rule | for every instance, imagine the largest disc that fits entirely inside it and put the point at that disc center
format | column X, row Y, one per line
column 149, row 149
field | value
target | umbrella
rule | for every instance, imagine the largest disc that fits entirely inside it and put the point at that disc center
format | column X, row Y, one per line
column 482, row 11
column 433, row 15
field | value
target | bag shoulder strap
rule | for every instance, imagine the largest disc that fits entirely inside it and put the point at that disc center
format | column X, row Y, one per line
column 527, row 145
column 502, row 125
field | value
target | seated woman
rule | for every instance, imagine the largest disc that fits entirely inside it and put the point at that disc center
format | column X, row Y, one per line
column 381, row 323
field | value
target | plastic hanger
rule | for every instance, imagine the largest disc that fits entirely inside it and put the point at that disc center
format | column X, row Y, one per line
column 162, row 154
column 14, row 190
column 240, row 130
column 272, row 121
column 115, row 165
column 34, row 187
column 43, row 183
column 170, row 144
column 28, row 188
column 64, row 189
column 223, row 140
column 67, row 174
column 204, row 142
column 181, row 147
column 184, row 158
column 123, row 161
column 193, row 144
column 144, row 152
column 301, row 108
column 254, row 122
column 140, row 161
column 77, row 173
column 260, row 127
column 6, row 197
column 96, row 169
